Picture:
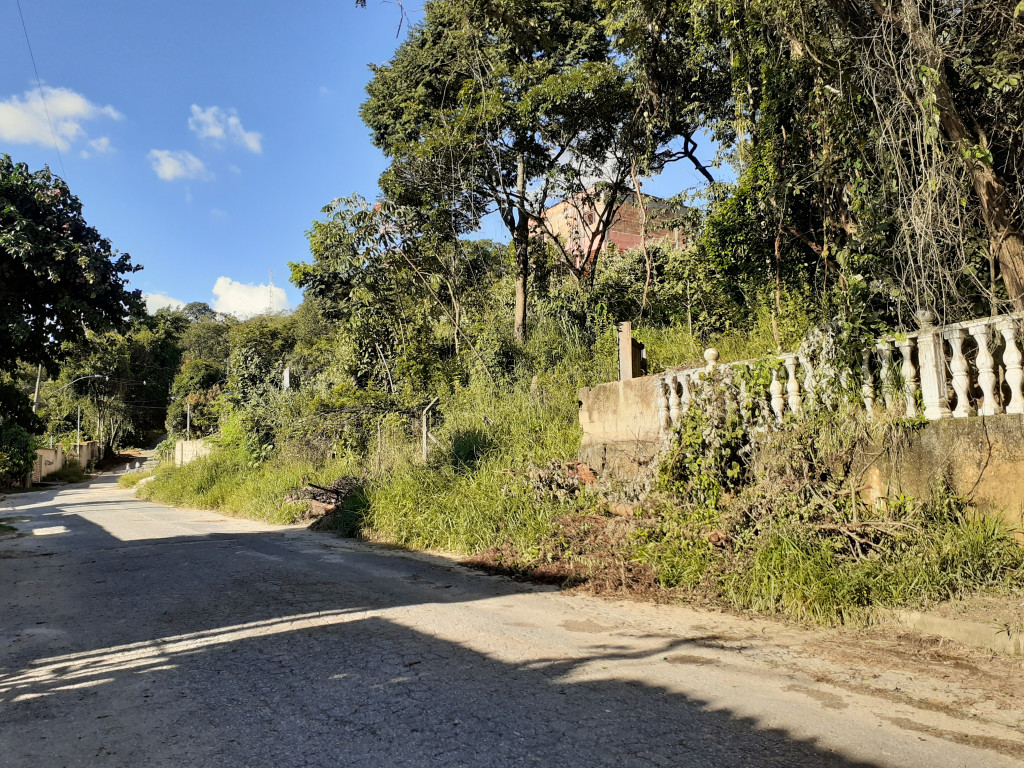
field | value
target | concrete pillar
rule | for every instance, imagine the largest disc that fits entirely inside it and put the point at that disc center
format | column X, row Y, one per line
column 625, row 351
column 931, row 366
column 632, row 354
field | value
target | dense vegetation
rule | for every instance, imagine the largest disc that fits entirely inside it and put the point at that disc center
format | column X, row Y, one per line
column 60, row 283
column 862, row 160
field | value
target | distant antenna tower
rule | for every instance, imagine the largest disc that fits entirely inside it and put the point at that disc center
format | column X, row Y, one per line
column 270, row 294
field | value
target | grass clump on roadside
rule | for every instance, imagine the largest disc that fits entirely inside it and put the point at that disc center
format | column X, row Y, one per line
column 227, row 482
column 466, row 498
column 766, row 517
column 133, row 478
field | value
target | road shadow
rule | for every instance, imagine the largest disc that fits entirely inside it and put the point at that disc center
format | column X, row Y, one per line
column 256, row 649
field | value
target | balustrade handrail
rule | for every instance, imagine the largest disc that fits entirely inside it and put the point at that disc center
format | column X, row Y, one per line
column 914, row 370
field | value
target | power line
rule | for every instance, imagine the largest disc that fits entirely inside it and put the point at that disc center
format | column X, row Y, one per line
column 39, row 84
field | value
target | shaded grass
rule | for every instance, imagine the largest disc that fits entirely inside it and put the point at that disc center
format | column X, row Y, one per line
column 71, row 472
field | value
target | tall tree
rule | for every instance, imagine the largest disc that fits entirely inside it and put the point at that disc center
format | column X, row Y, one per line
column 498, row 105
column 59, row 278
column 877, row 141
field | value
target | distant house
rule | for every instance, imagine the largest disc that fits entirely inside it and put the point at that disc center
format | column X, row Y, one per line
column 586, row 226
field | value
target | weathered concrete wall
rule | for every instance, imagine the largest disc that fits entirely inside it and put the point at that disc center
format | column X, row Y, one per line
column 189, row 450
column 48, row 460
column 85, row 453
column 621, row 433
column 980, row 457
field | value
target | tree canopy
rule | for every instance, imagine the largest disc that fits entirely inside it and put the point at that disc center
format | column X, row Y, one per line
column 59, row 278
column 500, row 106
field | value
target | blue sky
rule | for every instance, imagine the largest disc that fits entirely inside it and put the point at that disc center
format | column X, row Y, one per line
column 204, row 137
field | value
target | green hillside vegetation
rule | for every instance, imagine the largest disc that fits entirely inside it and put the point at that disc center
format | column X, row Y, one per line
column 857, row 163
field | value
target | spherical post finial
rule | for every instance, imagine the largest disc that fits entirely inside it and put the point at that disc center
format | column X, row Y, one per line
column 711, row 357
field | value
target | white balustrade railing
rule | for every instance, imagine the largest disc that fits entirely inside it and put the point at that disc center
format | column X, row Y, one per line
column 951, row 371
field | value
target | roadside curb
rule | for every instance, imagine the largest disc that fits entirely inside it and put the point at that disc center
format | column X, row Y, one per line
column 989, row 636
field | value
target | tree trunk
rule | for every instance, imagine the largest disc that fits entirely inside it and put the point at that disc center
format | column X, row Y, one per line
column 521, row 240
column 1006, row 242
column 997, row 205
column 998, row 209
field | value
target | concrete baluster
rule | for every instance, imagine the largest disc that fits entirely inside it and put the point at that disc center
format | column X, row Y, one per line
column 687, row 395
column 885, row 373
column 867, row 387
column 1012, row 363
column 986, row 372
column 674, row 401
column 906, row 348
column 778, row 401
column 663, row 406
column 809, row 381
column 711, row 357
column 960, row 370
column 792, row 385
column 931, row 364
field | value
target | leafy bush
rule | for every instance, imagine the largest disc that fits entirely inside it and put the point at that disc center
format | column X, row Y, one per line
column 17, row 452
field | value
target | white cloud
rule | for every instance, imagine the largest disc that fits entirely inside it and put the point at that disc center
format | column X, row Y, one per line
column 218, row 125
column 217, row 213
column 246, row 299
column 170, row 164
column 23, row 118
column 100, row 146
column 155, row 301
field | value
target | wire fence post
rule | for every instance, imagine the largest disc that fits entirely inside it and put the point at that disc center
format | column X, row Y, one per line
column 426, row 432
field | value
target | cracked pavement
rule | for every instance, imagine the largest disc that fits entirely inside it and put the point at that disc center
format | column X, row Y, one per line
column 134, row 634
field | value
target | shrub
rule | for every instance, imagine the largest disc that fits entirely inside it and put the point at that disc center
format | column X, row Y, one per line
column 17, row 452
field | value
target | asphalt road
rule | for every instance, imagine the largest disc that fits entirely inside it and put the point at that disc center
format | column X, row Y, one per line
column 133, row 634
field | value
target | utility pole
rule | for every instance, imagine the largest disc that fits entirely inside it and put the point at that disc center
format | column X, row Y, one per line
column 188, row 421
column 78, row 445
column 39, row 381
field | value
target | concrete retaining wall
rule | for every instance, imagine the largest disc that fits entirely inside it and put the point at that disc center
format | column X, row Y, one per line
column 621, row 431
column 981, row 458
column 188, row 450
column 85, row 453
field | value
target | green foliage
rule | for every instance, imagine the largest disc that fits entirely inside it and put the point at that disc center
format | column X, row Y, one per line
column 193, row 393
column 58, row 275
column 131, row 479
column 482, row 93
column 17, row 452
column 120, row 380
column 15, row 406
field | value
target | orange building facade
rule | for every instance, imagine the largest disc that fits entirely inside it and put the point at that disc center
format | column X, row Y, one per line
column 578, row 225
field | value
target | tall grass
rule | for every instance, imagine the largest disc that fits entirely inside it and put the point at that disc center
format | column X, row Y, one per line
column 227, row 482
column 470, row 495
column 465, row 498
